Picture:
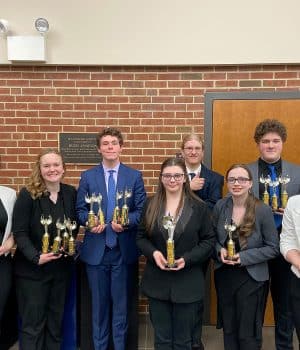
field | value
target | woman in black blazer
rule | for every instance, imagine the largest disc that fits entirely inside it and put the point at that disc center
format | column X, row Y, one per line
column 241, row 276
column 42, row 278
column 175, row 294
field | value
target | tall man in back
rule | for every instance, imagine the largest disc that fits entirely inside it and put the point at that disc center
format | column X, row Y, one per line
column 109, row 249
column 207, row 185
column 270, row 136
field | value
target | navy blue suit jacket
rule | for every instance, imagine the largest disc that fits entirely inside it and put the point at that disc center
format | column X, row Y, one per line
column 93, row 181
column 212, row 189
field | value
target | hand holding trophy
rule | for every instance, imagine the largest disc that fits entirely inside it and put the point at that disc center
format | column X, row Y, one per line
column 169, row 225
column 45, row 240
column 230, row 228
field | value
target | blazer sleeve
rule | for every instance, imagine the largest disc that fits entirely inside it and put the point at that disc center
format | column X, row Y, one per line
column 288, row 237
column 139, row 200
column 270, row 241
column 21, row 226
column 215, row 190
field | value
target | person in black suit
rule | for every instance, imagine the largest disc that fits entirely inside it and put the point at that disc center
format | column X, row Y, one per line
column 270, row 136
column 42, row 278
column 175, row 294
column 246, row 240
column 207, row 185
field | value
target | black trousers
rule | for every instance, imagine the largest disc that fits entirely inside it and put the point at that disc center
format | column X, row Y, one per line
column 280, row 275
column 41, row 306
column 173, row 323
column 6, row 281
column 295, row 303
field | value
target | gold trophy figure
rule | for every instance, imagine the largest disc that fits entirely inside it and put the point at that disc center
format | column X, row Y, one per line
column 169, row 225
column 45, row 240
column 65, row 237
column 284, row 180
column 71, row 225
column 274, row 199
column 57, row 240
column 117, row 211
column 266, row 181
column 230, row 228
column 100, row 214
column 125, row 209
column 91, row 215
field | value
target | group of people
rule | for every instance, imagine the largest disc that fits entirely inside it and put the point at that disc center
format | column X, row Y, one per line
column 179, row 229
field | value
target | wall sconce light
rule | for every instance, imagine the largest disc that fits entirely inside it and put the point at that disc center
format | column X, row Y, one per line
column 41, row 25
column 3, row 27
column 29, row 48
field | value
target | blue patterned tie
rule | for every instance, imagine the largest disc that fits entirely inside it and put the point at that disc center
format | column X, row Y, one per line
column 111, row 237
column 192, row 175
column 273, row 175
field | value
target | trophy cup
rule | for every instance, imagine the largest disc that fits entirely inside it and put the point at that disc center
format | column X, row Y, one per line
column 100, row 214
column 117, row 211
column 45, row 240
column 71, row 225
column 266, row 181
column 274, row 199
column 169, row 225
column 125, row 209
column 57, row 240
column 91, row 215
column 284, row 180
column 230, row 228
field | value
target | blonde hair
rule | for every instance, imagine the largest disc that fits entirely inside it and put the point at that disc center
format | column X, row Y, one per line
column 191, row 137
column 35, row 184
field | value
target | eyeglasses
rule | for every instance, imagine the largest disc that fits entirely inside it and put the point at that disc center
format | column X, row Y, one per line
column 191, row 149
column 176, row 177
column 240, row 180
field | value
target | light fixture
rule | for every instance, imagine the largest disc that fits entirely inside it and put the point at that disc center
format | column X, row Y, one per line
column 3, row 26
column 41, row 25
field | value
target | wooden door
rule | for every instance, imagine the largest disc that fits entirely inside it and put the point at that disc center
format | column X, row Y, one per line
column 233, row 125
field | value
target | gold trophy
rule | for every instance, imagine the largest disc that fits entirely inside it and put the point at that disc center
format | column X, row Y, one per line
column 117, row 211
column 71, row 226
column 266, row 181
column 57, row 240
column 100, row 214
column 274, row 199
column 91, row 215
column 65, row 237
column 284, row 180
column 169, row 225
column 125, row 209
column 45, row 240
column 230, row 228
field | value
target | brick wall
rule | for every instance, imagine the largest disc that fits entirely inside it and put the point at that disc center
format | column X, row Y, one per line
column 153, row 106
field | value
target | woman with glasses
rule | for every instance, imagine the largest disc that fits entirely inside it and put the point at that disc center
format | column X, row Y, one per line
column 246, row 240
column 175, row 292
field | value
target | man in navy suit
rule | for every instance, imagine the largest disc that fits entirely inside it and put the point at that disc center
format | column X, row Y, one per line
column 109, row 250
column 270, row 135
column 207, row 185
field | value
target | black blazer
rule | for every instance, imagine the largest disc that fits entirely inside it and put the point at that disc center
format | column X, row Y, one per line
column 28, row 231
column 194, row 241
column 213, row 186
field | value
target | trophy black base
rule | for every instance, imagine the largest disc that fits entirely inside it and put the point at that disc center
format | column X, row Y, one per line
column 168, row 266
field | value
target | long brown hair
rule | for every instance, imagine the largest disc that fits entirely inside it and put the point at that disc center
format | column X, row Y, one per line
column 158, row 201
column 35, row 184
column 248, row 222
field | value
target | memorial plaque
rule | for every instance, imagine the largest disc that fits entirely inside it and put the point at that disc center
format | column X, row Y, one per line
column 79, row 148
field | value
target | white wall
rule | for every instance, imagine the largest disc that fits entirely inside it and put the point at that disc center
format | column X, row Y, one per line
column 160, row 32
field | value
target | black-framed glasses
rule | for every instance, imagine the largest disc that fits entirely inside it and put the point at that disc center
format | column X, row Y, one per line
column 241, row 180
column 176, row 177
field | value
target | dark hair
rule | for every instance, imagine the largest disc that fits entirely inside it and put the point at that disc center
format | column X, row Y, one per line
column 270, row 125
column 158, row 201
column 251, row 203
column 111, row 132
column 191, row 137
